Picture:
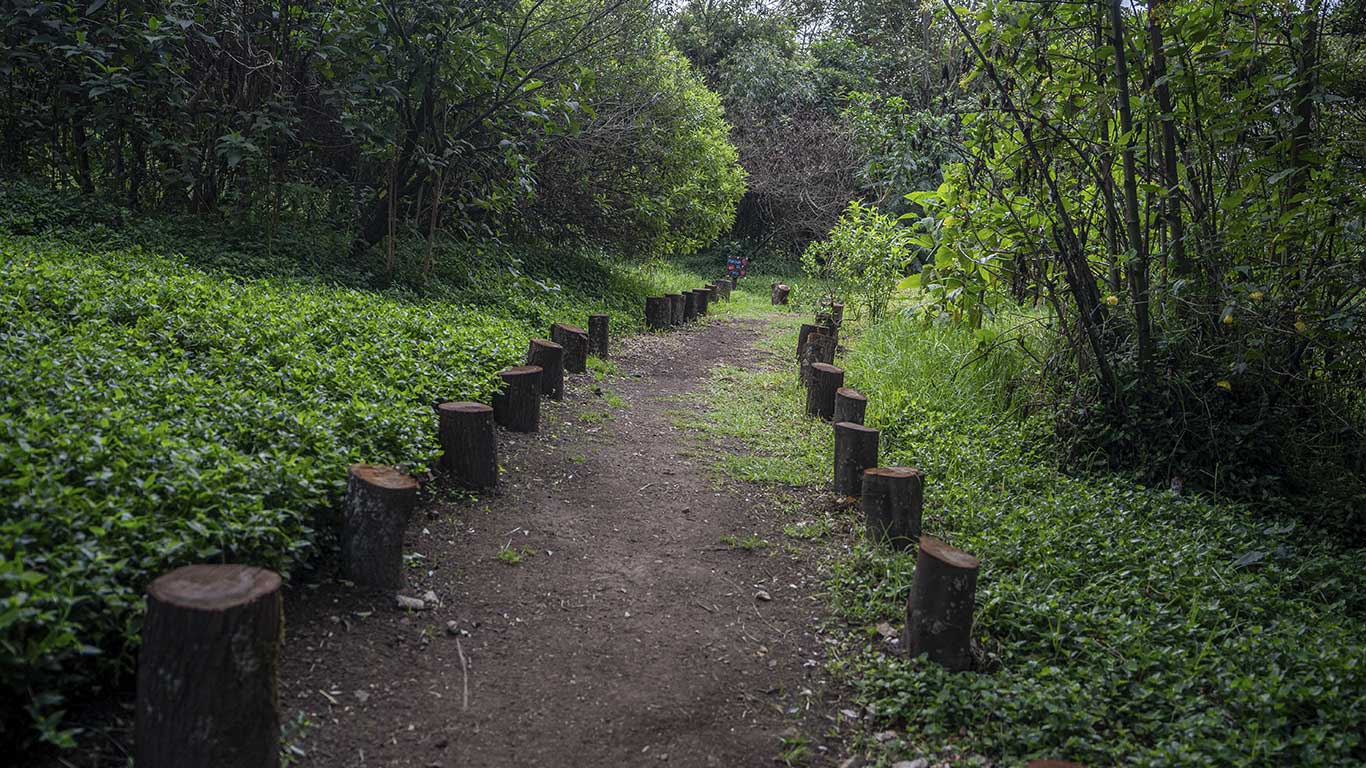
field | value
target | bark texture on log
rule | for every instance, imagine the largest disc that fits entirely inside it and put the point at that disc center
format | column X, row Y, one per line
column 855, row 451
column 892, row 501
column 689, row 306
column 469, row 445
column 379, row 499
column 676, row 307
column 820, row 394
column 939, row 610
column 723, row 289
column 598, row 339
column 850, row 405
column 517, row 405
column 781, row 292
column 703, row 299
column 575, row 343
column 803, row 335
column 550, row 357
column 837, row 314
column 207, row 672
column 819, row 349
column 658, row 314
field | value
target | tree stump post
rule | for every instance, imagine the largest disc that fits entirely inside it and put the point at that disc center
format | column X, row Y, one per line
column 657, row 313
column 939, row 609
column 703, row 298
column 550, row 357
column 723, row 289
column 819, row 349
column 575, row 343
column 855, row 451
column 820, row 394
column 517, row 405
column 892, row 501
column 207, row 683
column 803, row 334
column 469, row 445
column 689, row 306
column 837, row 314
column 379, row 499
column 598, row 334
column 850, row 405
column 676, row 307
column 781, row 292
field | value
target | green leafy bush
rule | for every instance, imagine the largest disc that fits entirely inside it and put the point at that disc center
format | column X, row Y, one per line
column 864, row 259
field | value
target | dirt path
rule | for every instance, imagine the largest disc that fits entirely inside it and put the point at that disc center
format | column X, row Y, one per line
column 627, row 635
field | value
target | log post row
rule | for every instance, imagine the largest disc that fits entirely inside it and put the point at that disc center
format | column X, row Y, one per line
column 703, row 299
column 820, row 348
column 803, row 335
column 939, row 609
column 850, row 405
column 517, row 405
column 598, row 334
column 469, row 447
column 676, row 307
column 575, row 343
column 550, row 357
column 658, row 314
column 820, row 393
column 379, row 499
column 855, row 450
column 892, row 501
column 208, row 692
column 689, row 306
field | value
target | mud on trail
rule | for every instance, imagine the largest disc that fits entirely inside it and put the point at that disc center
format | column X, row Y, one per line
column 627, row 635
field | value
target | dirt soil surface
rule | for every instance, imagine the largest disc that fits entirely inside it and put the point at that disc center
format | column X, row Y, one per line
column 627, row 635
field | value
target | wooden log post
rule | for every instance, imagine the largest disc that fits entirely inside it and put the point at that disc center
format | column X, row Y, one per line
column 837, row 314
column 781, row 292
column 820, row 394
column 892, row 501
column 598, row 339
column 208, row 692
column 575, row 343
column 939, row 609
column 689, row 306
column 657, row 313
column 855, row 451
column 676, row 307
column 803, row 334
column 469, row 445
column 550, row 357
column 379, row 499
column 819, row 349
column 517, row 405
column 850, row 405
column 723, row 289
column 703, row 298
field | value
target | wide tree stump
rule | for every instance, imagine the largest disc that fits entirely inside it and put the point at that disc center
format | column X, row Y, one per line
column 939, row 610
column 781, row 292
column 892, row 500
column 575, row 343
column 658, row 314
column 676, row 306
column 550, row 357
column 689, row 306
column 855, row 451
column 819, row 349
column 207, row 672
column 703, row 300
column 379, row 499
column 469, row 445
column 803, row 334
column 598, row 325
column 517, row 405
column 820, row 394
column 850, row 405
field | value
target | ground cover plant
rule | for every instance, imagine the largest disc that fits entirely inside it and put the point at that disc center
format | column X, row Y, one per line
column 1116, row 623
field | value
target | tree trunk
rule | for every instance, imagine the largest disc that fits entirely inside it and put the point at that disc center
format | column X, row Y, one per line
column 1171, row 200
column 893, row 498
column 658, row 314
column 549, row 356
column 1138, row 265
column 820, row 393
column 598, row 334
column 575, row 343
column 379, row 500
column 469, row 445
column 850, row 405
column 517, row 405
column 855, row 451
column 939, row 610
column 207, row 682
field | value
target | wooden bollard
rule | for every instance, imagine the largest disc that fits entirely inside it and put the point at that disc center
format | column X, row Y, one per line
column 850, row 405
column 820, row 348
column 781, row 292
column 892, row 500
column 820, row 394
column 722, row 289
column 803, row 334
column 550, row 357
column 703, row 299
column 598, row 334
column 379, row 499
column 689, row 306
column 517, row 405
column 208, row 692
column 939, row 610
column 575, row 343
column 469, row 445
column 676, row 303
column 837, row 314
column 855, row 451
column 657, row 313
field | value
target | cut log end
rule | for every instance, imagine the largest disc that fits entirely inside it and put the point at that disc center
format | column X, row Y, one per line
column 384, row 476
column 464, row 406
column 213, row 587
column 947, row 554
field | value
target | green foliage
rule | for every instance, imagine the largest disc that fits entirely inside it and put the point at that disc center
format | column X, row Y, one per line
column 902, row 150
column 863, row 261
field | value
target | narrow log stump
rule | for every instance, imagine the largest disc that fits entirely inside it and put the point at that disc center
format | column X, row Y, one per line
column 575, row 343
column 850, row 405
column 379, row 499
column 689, row 306
column 803, row 334
column 703, row 299
column 837, row 314
column 550, row 357
column 207, row 673
column 657, row 313
column 676, row 303
column 820, row 348
column 892, row 500
column 820, row 394
column 723, row 289
column 598, row 334
column 518, row 405
column 469, row 445
column 855, row 451
column 939, row 610
column 781, row 292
